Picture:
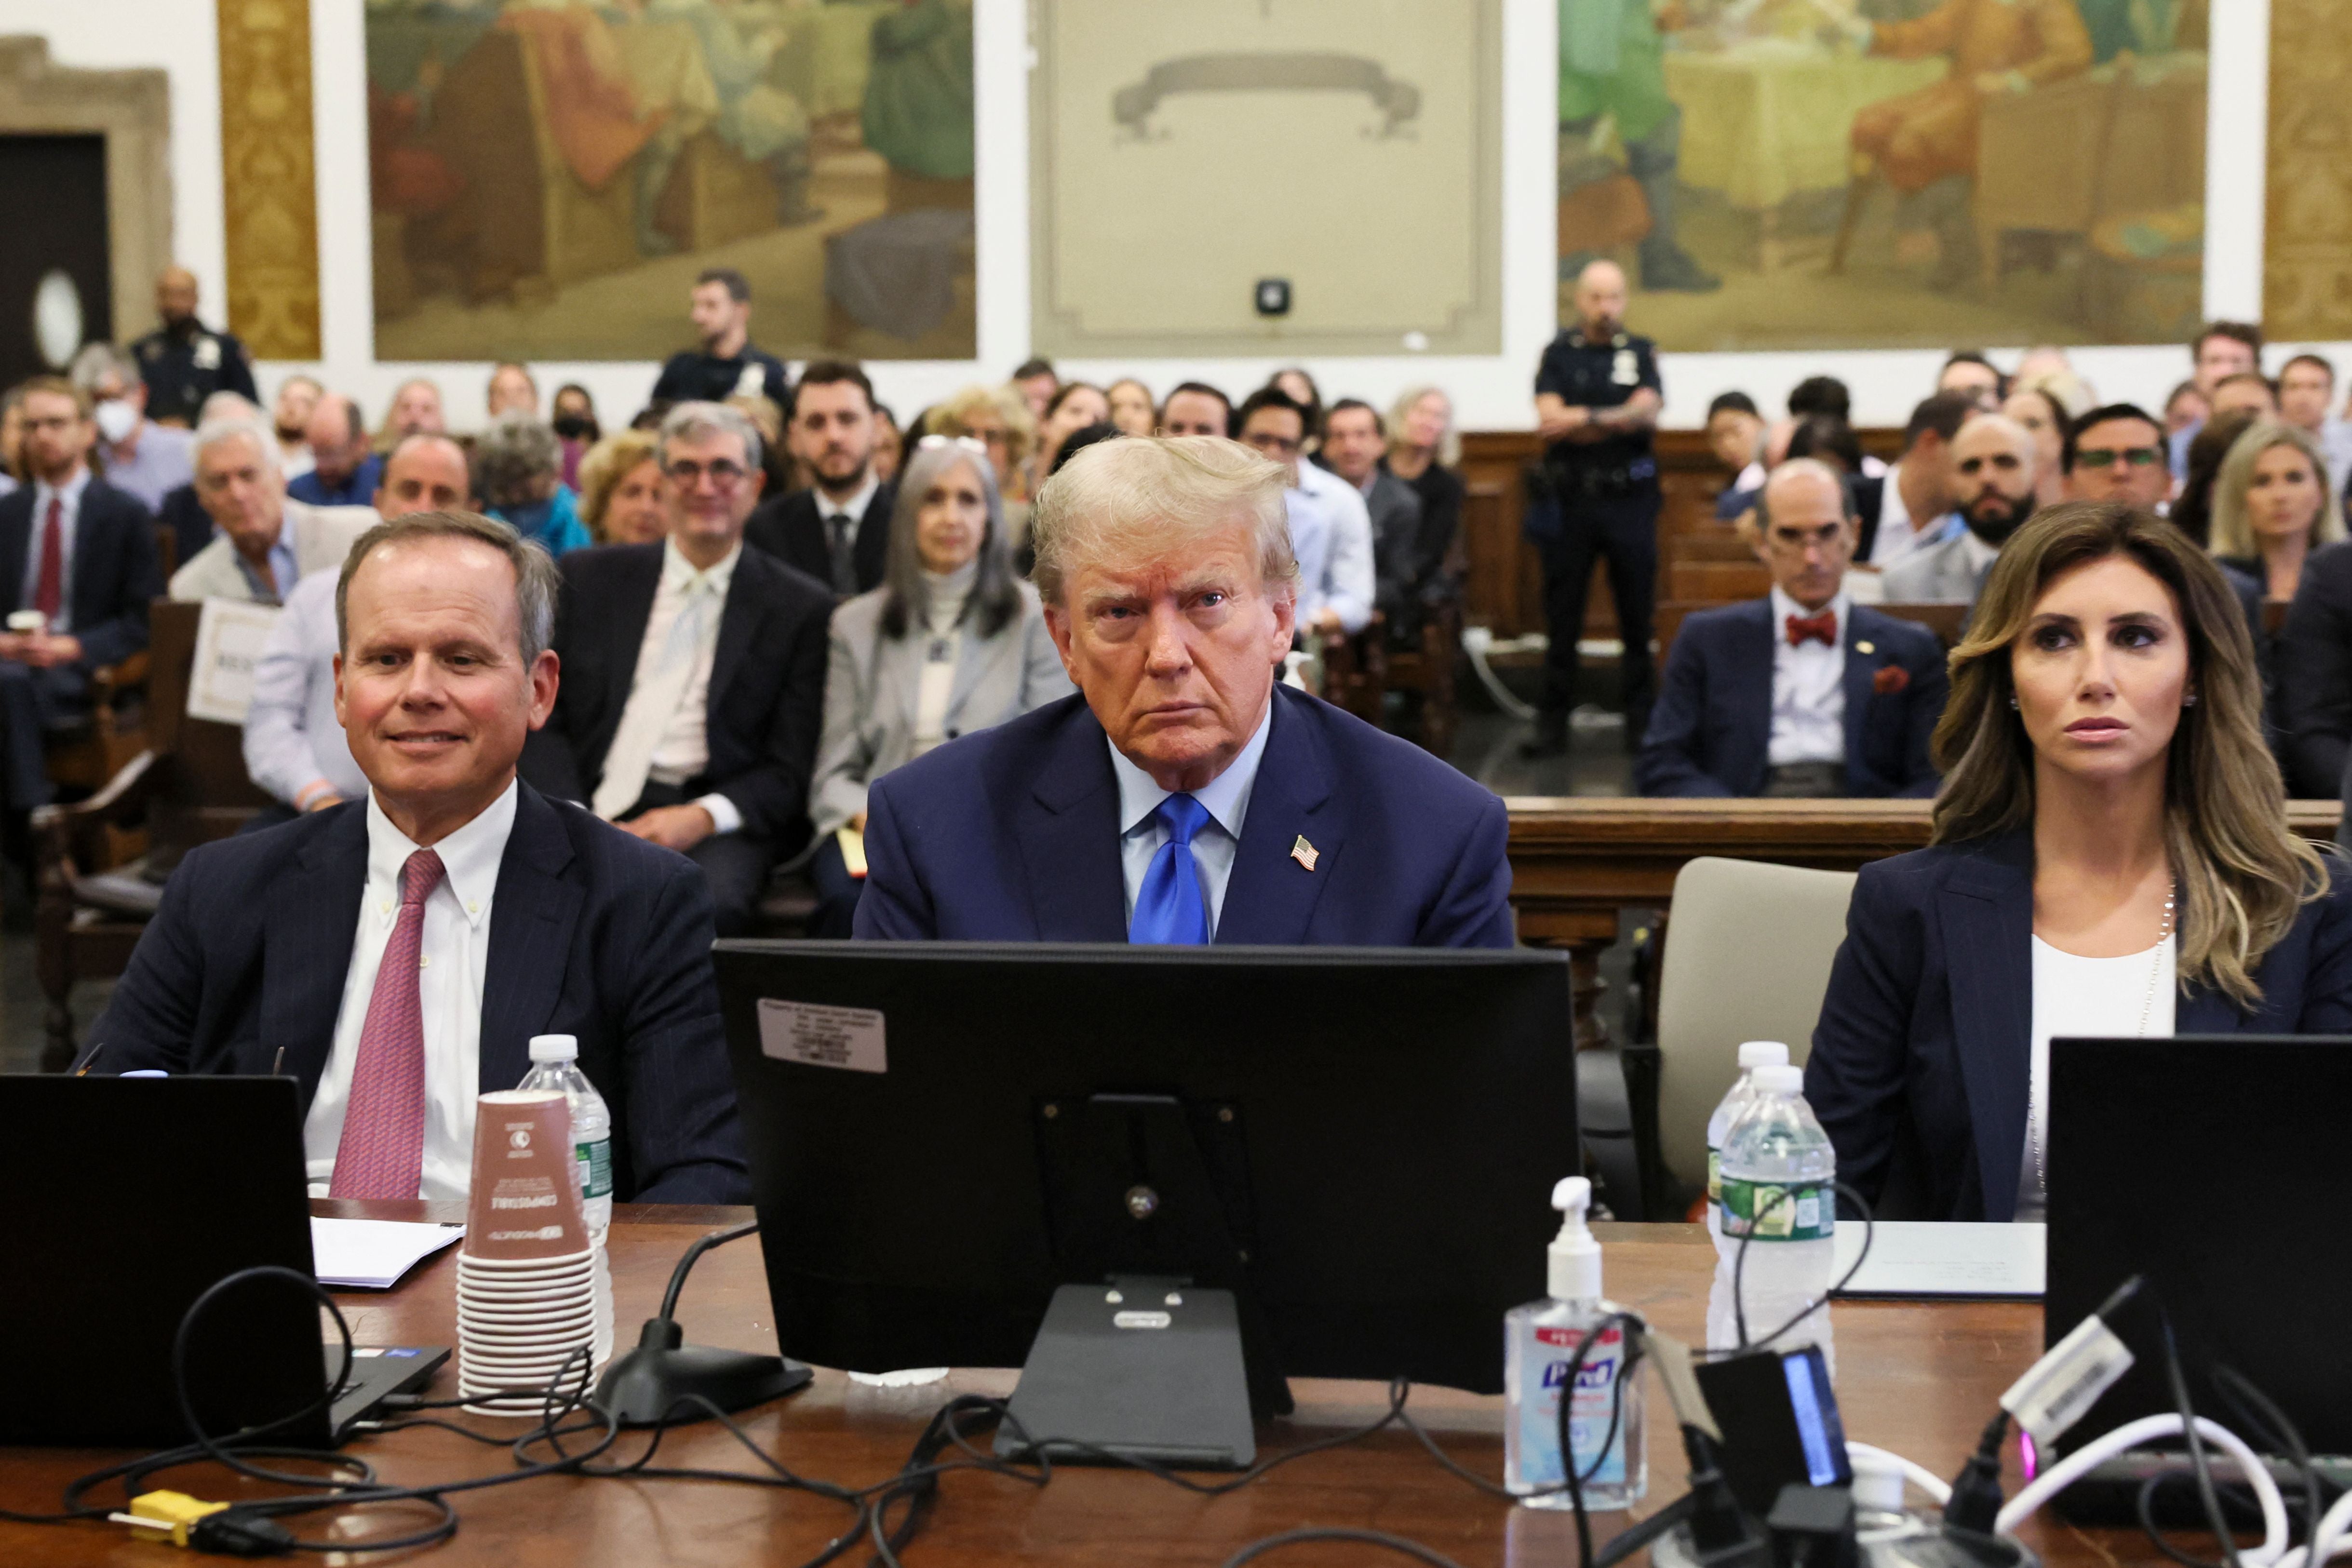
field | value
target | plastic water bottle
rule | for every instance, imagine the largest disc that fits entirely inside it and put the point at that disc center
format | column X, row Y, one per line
column 1776, row 1166
column 555, row 1064
column 1753, row 1054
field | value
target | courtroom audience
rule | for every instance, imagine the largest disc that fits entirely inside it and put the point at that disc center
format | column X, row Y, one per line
column 81, row 554
column 345, row 467
column 2043, row 418
column 890, row 443
column 1915, row 503
column 1734, row 433
column 950, row 643
column 1132, row 407
column 518, row 474
column 1355, row 445
column 574, row 420
column 266, row 541
column 531, row 917
column 11, row 438
column 2314, row 657
column 1827, row 438
column 999, row 419
column 2185, row 409
column 2110, row 856
column 415, row 410
column 1035, row 383
column 619, row 490
column 1181, row 797
column 2219, row 349
column 1073, row 406
column 693, row 674
column 725, row 363
column 837, row 531
column 181, row 362
column 1424, row 451
column 512, row 390
column 2272, row 506
column 295, row 747
column 2117, row 453
column 2192, row 507
column 1196, row 408
column 2307, row 395
column 289, row 420
column 1969, row 373
column 2247, row 392
column 1994, row 480
column 779, row 463
column 1803, row 693
column 1308, row 395
column 1331, row 530
column 138, row 456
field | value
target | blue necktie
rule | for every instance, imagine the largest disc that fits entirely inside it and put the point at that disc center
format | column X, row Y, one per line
column 1169, row 907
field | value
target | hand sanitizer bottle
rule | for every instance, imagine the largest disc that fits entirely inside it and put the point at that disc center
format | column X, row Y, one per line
column 1539, row 1341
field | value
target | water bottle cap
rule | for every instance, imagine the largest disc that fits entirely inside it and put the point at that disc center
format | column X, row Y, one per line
column 554, row 1048
column 1762, row 1053
column 1780, row 1080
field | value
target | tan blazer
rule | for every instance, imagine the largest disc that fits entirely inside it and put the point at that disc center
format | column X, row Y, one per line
column 322, row 537
column 870, row 688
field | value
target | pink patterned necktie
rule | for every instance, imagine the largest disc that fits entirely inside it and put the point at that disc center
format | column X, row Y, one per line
column 381, row 1153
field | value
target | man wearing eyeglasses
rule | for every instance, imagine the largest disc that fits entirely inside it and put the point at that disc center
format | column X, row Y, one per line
column 2117, row 453
column 693, row 673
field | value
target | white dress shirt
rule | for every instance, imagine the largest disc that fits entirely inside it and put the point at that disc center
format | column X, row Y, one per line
column 683, row 750
column 1808, row 689
column 1979, row 554
column 1344, row 582
column 2086, row 999
column 68, row 514
column 452, row 960
column 292, row 738
column 1226, row 800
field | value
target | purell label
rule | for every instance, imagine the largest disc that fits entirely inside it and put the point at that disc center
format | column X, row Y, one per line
column 1549, row 1353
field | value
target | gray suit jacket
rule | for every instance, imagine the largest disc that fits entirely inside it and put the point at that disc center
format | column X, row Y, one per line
column 870, row 686
column 1940, row 574
column 322, row 535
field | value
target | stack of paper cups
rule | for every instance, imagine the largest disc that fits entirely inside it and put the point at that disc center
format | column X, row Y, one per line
column 526, row 1274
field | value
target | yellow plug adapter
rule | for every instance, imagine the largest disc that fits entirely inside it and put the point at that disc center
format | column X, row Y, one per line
column 159, row 1516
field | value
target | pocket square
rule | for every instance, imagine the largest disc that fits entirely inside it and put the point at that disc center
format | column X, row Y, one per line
column 1889, row 679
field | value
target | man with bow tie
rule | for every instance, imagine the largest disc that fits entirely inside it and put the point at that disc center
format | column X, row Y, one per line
column 1803, row 693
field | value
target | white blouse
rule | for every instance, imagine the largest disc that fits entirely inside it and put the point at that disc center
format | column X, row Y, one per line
column 2095, row 999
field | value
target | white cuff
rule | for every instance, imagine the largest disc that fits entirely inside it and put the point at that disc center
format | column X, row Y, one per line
column 724, row 816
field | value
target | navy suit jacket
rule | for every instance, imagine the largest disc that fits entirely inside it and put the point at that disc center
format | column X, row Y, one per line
column 1711, row 731
column 594, row 933
column 1013, row 835
column 1922, row 1063
column 767, row 684
column 115, row 573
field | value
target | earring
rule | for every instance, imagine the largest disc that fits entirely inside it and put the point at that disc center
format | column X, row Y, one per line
column 2012, row 701
column 2188, row 701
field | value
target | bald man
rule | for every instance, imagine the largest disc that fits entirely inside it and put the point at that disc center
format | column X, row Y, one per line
column 1993, row 480
column 181, row 361
column 1597, row 400
column 1802, row 694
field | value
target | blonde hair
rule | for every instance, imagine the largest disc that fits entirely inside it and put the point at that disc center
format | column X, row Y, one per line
column 2231, row 533
column 608, row 463
column 949, row 418
column 2242, row 872
column 2070, row 392
column 1449, row 445
column 1135, row 496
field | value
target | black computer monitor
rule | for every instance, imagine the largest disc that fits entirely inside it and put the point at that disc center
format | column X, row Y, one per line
column 1362, row 1144
column 2215, row 1167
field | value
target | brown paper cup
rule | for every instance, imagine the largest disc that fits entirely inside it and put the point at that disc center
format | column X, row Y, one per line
column 525, row 1201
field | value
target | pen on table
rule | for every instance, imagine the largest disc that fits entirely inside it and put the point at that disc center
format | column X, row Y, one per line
column 277, row 1063
column 81, row 1068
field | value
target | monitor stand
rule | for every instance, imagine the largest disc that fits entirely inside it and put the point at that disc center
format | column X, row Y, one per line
column 1156, row 1349
column 1140, row 1368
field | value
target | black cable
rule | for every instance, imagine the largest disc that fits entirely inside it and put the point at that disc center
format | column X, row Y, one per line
column 1739, row 1259
column 685, row 1264
column 1396, row 1544
column 2179, row 1384
column 2276, row 1432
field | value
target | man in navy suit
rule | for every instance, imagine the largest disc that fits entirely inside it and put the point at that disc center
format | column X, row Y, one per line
column 1803, row 693
column 396, row 955
column 83, row 554
column 1182, row 796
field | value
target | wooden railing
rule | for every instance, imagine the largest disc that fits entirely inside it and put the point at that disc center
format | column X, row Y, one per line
column 1577, row 861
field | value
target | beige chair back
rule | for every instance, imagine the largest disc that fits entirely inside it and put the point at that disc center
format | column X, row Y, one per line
column 1748, row 948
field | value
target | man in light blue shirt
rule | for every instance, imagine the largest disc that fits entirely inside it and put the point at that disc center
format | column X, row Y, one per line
column 264, row 541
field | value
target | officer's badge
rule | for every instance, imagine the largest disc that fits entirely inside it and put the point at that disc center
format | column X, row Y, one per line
column 207, row 353
column 1628, row 369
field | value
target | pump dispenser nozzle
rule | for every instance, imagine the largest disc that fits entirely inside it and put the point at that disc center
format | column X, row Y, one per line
column 1573, row 1260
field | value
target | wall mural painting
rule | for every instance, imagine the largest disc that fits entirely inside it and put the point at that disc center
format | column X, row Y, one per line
column 1888, row 174
column 547, row 176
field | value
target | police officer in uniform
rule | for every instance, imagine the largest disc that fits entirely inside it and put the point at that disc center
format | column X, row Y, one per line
column 1597, row 400
column 182, row 363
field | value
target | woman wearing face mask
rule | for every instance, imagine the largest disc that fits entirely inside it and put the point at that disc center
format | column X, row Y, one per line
column 950, row 642
column 575, row 427
column 2111, row 858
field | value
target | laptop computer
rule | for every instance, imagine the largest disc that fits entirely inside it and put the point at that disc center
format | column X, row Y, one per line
column 2214, row 1167
column 129, row 1198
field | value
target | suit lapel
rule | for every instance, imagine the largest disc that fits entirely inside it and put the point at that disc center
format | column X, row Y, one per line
column 531, row 918
column 308, row 936
column 1270, row 898
column 2205, row 1011
column 1986, row 916
column 1860, row 681
column 1750, row 691
column 739, row 621
column 16, row 541
column 1069, row 836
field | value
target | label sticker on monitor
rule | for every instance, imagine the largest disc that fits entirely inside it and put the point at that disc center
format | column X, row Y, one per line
column 819, row 1036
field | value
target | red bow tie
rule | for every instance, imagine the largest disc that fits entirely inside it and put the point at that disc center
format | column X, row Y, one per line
column 1822, row 628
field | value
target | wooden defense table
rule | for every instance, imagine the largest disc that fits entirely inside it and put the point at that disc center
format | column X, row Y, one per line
column 1576, row 861
column 1919, row 1378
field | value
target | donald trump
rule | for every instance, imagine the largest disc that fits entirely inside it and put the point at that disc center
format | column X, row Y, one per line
column 1182, row 796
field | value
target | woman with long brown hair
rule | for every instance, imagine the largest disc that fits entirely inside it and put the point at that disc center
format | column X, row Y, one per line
column 2111, row 857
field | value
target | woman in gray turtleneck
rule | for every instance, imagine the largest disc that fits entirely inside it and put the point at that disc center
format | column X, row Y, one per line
column 952, row 642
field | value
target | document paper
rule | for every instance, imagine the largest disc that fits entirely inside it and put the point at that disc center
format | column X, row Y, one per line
column 1928, row 1257
column 373, row 1254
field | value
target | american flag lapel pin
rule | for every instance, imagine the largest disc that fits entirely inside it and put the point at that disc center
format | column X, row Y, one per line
column 1304, row 853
